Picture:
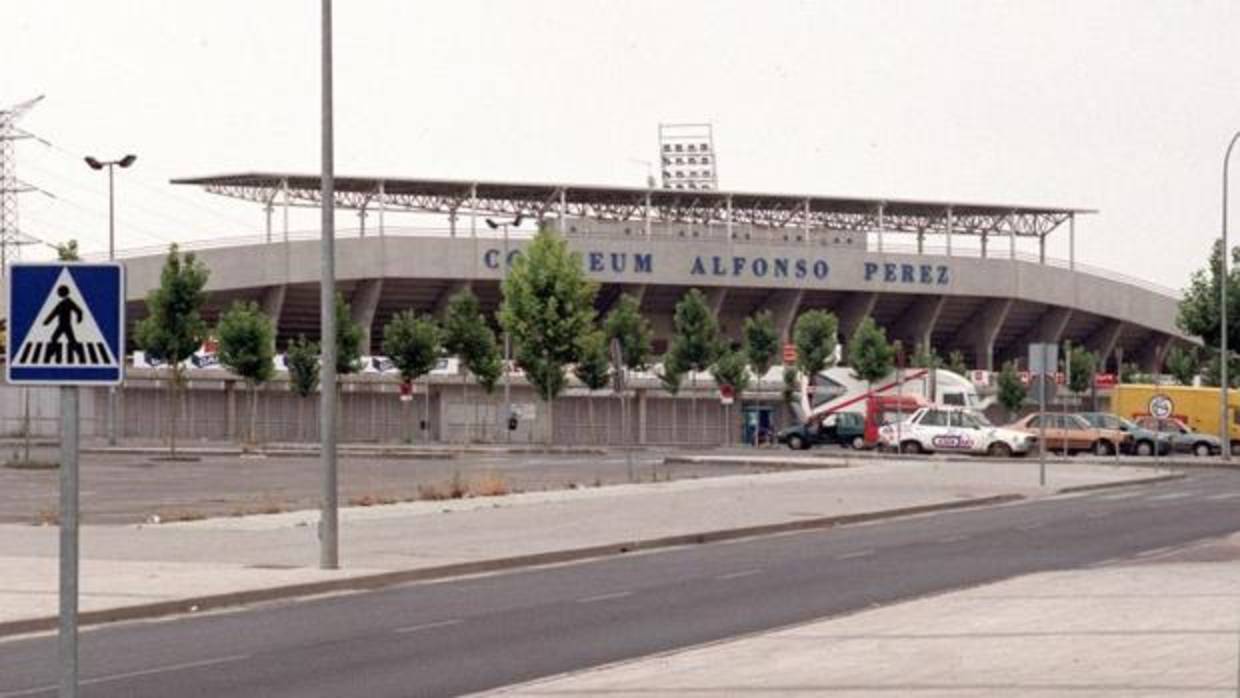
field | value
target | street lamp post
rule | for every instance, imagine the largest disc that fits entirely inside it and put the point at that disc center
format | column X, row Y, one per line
column 493, row 225
column 1223, row 426
column 111, row 165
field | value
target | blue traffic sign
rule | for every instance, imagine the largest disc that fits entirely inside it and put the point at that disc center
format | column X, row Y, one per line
column 66, row 324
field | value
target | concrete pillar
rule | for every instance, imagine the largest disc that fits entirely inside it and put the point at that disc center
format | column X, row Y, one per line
column 856, row 307
column 715, row 296
column 1050, row 328
column 362, row 307
column 638, row 291
column 1102, row 342
column 230, row 415
column 783, row 305
column 272, row 303
column 1153, row 352
column 916, row 325
column 981, row 330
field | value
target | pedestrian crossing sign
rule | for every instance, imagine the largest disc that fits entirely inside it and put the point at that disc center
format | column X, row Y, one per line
column 66, row 324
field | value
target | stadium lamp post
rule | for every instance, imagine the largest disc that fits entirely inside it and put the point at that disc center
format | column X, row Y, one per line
column 111, row 165
column 516, row 223
column 1223, row 428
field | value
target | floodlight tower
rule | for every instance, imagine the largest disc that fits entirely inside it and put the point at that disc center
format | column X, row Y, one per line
column 687, row 156
column 11, row 238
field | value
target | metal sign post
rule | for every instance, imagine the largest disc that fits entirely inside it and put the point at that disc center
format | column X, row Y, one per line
column 1043, row 359
column 618, row 386
column 67, row 328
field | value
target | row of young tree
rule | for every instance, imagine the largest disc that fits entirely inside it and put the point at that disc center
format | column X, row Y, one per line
column 548, row 312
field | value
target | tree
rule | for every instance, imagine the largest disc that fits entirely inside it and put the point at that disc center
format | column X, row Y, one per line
column 1129, row 372
column 1199, row 308
column 348, row 340
column 671, row 377
column 1210, row 376
column 302, row 358
column 870, row 354
column 412, row 343
column 173, row 328
column 790, row 384
column 1082, row 364
column 816, row 337
column 593, row 367
column 1183, row 364
column 761, row 345
column 68, row 251
column 468, row 336
column 548, row 309
column 695, row 339
column 247, row 348
column 926, row 357
column 731, row 369
column 956, row 364
column 1011, row 391
column 625, row 323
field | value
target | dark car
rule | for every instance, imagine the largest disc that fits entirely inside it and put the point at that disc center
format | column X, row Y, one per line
column 1183, row 439
column 844, row 428
column 1144, row 441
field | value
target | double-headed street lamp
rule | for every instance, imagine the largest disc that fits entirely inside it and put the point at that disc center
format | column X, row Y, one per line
column 111, row 165
column 493, row 225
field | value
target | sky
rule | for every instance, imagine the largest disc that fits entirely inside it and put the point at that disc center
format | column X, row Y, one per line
column 1122, row 107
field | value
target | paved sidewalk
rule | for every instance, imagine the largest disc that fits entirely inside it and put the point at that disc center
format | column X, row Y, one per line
column 132, row 565
column 1166, row 627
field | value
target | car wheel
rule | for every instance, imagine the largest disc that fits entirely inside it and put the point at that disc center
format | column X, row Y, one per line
column 1201, row 450
column 1145, row 448
column 858, row 442
column 910, row 447
column 1235, row 448
column 796, row 443
column 1103, row 448
column 999, row 450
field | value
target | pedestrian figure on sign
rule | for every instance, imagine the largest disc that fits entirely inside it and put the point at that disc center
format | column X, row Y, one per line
column 66, row 314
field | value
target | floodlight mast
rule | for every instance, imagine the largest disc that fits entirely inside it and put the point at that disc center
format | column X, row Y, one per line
column 495, row 225
column 10, row 186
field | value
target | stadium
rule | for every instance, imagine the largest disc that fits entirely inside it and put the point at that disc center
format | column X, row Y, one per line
column 952, row 276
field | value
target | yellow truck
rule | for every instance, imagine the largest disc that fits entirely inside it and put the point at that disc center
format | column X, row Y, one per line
column 1196, row 408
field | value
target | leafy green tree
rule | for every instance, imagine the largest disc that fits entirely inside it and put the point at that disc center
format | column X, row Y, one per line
column 671, row 377
column 468, row 336
column 695, row 340
column 926, row 357
column 625, row 323
column 173, row 328
column 761, row 343
column 1011, row 391
column 548, row 310
column 348, row 340
column 1082, row 364
column 1183, row 364
column 247, row 348
column 1129, row 372
column 413, row 345
column 302, row 358
column 791, row 381
column 593, row 368
column 870, row 354
column 68, row 251
column 1210, row 376
column 956, row 363
column 816, row 336
column 731, row 368
column 1199, row 308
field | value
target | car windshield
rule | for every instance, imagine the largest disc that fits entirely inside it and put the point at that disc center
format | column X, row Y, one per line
column 979, row 418
column 1128, row 424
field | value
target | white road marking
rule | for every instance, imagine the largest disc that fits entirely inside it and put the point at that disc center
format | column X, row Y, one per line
column 132, row 674
column 952, row 539
column 1120, row 495
column 1030, row 526
column 605, row 597
column 428, row 626
column 1168, row 496
column 1222, row 497
column 738, row 575
column 851, row 556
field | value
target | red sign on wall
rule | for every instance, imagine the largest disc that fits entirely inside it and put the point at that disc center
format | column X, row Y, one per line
column 790, row 354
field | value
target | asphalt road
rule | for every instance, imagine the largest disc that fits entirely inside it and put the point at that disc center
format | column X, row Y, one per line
column 468, row 635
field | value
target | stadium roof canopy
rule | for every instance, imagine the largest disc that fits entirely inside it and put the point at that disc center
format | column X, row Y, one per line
column 456, row 197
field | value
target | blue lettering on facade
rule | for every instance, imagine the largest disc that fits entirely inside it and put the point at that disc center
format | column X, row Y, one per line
column 906, row 273
column 927, row 275
column 698, row 267
column 870, row 270
column 717, row 266
column 781, row 268
column 759, row 267
column 596, row 261
column 618, row 262
column 643, row 263
column 490, row 259
column 943, row 276
column 738, row 265
column 821, row 269
column 889, row 272
column 801, row 268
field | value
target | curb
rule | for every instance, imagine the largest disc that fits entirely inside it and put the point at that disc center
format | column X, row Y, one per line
column 819, row 464
column 374, row 452
column 1124, row 483
column 386, row 579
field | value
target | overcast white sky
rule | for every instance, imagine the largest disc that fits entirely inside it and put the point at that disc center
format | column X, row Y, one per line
column 1120, row 106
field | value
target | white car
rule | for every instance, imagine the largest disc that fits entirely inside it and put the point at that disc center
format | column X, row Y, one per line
column 940, row 429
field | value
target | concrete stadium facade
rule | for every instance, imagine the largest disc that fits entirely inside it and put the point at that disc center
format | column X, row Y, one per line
column 990, row 309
